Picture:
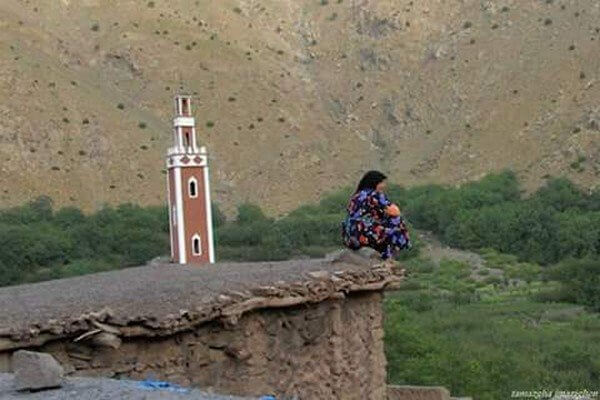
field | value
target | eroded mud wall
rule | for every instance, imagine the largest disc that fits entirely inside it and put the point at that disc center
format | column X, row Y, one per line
column 329, row 350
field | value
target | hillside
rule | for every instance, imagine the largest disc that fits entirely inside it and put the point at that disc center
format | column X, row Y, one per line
column 294, row 98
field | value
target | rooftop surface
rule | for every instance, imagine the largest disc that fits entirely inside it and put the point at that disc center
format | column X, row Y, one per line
column 103, row 388
column 164, row 298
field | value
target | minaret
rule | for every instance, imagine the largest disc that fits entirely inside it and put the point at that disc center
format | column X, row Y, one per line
column 190, row 216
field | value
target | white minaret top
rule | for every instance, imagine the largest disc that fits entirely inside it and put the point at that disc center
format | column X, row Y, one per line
column 184, row 140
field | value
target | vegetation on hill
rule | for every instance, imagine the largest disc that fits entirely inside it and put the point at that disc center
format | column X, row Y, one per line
column 478, row 331
column 37, row 243
column 557, row 226
column 556, row 223
column 485, row 339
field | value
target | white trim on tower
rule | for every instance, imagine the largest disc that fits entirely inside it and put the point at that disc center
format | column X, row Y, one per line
column 180, row 145
column 170, row 214
column 209, row 227
column 184, row 121
column 180, row 211
column 194, row 143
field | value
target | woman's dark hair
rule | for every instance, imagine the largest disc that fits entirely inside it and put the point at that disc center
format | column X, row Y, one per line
column 370, row 181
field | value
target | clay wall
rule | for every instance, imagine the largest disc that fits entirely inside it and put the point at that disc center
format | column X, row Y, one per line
column 329, row 350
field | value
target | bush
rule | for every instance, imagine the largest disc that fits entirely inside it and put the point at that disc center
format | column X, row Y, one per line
column 10, row 275
column 560, row 194
column 580, row 281
column 35, row 211
column 38, row 243
column 217, row 215
column 493, row 280
column 420, row 266
column 250, row 213
column 486, row 350
column 335, row 203
column 556, row 222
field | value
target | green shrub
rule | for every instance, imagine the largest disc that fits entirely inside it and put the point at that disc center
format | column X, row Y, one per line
column 558, row 221
column 493, row 280
column 487, row 350
column 420, row 265
column 250, row 213
column 217, row 215
column 580, row 281
column 39, row 244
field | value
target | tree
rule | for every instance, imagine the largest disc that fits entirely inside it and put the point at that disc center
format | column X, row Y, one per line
column 42, row 207
column 219, row 218
column 560, row 194
column 249, row 213
column 580, row 279
column 68, row 217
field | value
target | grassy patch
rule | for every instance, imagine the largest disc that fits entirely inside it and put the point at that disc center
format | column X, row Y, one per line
column 486, row 350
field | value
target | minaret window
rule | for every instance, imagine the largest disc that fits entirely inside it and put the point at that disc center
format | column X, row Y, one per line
column 193, row 187
column 187, row 139
column 185, row 107
column 196, row 245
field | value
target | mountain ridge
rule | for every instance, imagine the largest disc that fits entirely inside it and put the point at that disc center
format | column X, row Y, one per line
column 294, row 98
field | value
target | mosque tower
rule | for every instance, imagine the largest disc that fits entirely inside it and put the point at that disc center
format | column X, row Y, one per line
column 188, row 190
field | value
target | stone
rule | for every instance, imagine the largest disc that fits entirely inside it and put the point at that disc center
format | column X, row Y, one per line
column 321, row 275
column 106, row 339
column 34, row 371
column 4, row 362
column 369, row 253
column 363, row 256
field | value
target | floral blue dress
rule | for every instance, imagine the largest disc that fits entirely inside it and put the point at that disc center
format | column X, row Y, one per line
column 368, row 225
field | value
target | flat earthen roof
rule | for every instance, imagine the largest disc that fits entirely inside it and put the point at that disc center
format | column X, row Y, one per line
column 161, row 299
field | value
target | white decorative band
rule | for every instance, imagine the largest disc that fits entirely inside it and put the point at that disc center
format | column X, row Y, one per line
column 190, row 151
column 184, row 121
column 186, row 160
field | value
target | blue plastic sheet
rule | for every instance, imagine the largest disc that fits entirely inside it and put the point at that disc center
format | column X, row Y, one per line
column 150, row 384
column 162, row 385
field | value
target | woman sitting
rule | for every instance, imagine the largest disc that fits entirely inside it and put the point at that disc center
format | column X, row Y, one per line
column 373, row 221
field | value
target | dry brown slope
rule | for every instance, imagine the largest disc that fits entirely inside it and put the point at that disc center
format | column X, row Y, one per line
column 303, row 95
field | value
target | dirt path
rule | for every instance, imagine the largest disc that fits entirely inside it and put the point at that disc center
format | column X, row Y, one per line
column 437, row 251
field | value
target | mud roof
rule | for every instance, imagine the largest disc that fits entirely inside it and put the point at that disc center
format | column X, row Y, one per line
column 159, row 300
